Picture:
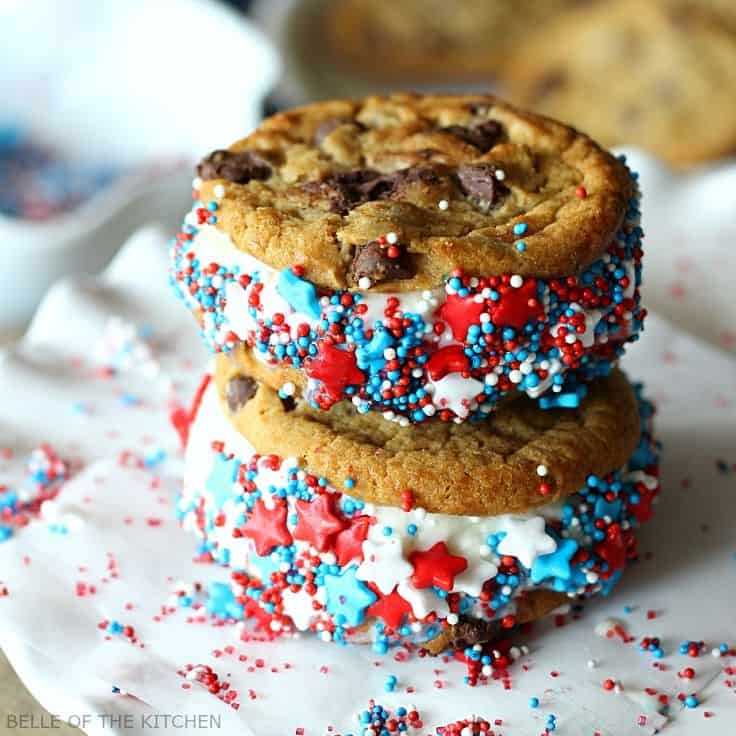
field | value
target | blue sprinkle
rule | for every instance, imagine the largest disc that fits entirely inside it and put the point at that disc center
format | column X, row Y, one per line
column 300, row 294
column 520, row 228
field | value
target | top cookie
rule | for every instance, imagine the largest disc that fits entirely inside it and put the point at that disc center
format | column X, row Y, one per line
column 658, row 75
column 394, row 193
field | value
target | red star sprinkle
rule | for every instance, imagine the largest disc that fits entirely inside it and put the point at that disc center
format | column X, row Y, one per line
column 450, row 359
column 436, row 566
column 318, row 523
column 517, row 306
column 643, row 510
column 336, row 368
column 460, row 313
column 615, row 549
column 267, row 527
column 391, row 608
column 349, row 542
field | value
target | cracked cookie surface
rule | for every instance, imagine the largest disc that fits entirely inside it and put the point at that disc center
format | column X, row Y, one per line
column 444, row 179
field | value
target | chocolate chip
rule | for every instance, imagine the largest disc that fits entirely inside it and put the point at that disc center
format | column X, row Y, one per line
column 239, row 391
column 483, row 136
column 394, row 185
column 372, row 261
column 288, row 403
column 343, row 190
column 349, row 189
column 462, row 635
column 479, row 183
column 469, row 632
column 327, row 126
column 236, row 167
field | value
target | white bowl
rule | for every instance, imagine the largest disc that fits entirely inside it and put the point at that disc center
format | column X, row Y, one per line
column 148, row 87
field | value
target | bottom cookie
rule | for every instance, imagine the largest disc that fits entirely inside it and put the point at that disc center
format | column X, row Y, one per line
column 307, row 556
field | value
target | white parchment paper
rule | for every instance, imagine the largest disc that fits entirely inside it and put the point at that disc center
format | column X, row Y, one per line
column 122, row 540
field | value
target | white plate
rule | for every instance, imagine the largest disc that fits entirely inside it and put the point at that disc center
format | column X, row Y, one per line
column 147, row 86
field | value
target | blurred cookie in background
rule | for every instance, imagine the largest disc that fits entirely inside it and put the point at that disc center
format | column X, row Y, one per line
column 433, row 39
column 352, row 48
column 660, row 75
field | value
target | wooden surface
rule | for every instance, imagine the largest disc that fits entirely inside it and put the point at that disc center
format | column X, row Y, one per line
column 15, row 700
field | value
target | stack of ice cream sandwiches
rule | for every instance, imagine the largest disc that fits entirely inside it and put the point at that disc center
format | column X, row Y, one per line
column 414, row 428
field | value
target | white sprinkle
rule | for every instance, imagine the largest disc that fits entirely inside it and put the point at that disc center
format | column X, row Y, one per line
column 389, row 353
column 364, row 282
column 715, row 652
column 196, row 183
column 541, row 470
column 192, row 674
column 516, row 281
column 452, row 619
column 288, row 389
column 515, row 376
column 491, row 379
column 443, row 204
column 607, row 627
column 392, row 238
column 219, row 191
column 592, row 664
column 500, row 174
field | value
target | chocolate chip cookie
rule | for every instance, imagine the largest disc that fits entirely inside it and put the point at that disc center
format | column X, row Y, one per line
column 417, row 256
column 321, row 518
column 432, row 39
column 450, row 177
column 481, row 468
column 660, row 75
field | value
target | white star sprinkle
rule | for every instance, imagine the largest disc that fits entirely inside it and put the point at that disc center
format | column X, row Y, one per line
column 384, row 564
column 526, row 540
